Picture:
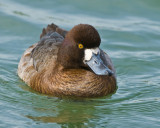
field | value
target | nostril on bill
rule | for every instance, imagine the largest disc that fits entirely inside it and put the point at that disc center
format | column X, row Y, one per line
column 96, row 62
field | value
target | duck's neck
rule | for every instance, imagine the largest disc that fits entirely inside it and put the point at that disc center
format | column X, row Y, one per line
column 69, row 56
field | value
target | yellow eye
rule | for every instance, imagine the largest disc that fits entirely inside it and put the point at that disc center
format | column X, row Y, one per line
column 80, row 46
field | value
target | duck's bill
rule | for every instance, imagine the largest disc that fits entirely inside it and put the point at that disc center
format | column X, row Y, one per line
column 96, row 63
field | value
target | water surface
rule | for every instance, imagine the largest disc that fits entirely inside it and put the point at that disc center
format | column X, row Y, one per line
column 130, row 32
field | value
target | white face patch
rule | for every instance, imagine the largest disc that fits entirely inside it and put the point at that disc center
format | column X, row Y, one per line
column 88, row 53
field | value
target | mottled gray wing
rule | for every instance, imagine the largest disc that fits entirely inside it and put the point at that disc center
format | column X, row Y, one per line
column 46, row 50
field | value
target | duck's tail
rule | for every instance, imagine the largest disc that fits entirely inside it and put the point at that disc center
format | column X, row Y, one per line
column 53, row 28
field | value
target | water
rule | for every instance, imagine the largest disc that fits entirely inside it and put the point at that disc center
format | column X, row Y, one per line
column 130, row 32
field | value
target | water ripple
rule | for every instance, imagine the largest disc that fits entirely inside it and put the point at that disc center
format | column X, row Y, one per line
column 40, row 16
column 132, row 41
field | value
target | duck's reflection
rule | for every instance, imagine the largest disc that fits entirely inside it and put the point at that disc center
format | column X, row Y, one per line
column 64, row 116
column 76, row 113
column 65, row 112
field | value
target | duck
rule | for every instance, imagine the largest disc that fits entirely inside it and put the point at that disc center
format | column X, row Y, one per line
column 68, row 63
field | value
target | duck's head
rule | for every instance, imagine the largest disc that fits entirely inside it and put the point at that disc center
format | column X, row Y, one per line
column 80, row 49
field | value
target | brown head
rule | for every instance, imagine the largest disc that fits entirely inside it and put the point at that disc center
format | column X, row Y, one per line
column 85, row 34
column 79, row 48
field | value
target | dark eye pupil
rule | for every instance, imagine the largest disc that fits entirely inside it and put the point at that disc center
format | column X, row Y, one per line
column 80, row 46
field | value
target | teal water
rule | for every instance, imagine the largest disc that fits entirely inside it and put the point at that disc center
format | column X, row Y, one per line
column 130, row 32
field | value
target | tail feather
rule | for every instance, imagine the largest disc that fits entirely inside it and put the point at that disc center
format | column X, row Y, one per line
column 53, row 28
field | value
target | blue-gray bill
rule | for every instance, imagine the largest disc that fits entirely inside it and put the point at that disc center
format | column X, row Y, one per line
column 98, row 66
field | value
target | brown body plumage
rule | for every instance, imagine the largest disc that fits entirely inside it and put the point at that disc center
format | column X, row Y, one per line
column 54, row 65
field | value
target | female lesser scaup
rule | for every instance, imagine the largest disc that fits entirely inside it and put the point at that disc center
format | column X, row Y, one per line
column 68, row 63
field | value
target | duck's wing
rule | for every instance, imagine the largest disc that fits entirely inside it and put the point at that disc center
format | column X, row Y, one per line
column 47, row 48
